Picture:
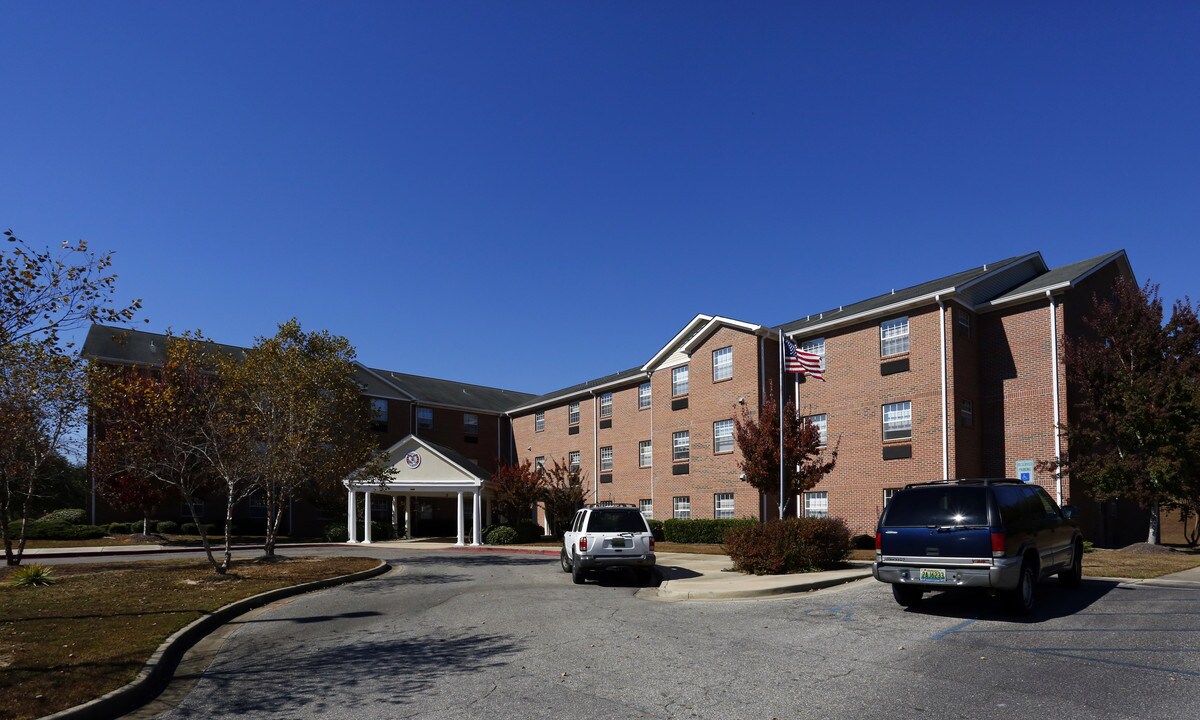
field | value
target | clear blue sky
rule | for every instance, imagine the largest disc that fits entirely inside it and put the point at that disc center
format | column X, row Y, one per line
column 532, row 194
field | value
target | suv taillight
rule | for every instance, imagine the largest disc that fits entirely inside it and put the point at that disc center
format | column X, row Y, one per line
column 878, row 540
column 583, row 543
column 998, row 543
column 651, row 543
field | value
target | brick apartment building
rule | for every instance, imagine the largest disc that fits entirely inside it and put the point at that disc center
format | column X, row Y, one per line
column 960, row 376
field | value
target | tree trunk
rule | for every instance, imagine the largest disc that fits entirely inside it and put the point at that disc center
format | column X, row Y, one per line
column 228, row 556
column 1153, row 536
column 274, row 512
column 203, row 535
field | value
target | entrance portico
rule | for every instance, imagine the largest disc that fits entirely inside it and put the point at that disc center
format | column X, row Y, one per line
column 421, row 469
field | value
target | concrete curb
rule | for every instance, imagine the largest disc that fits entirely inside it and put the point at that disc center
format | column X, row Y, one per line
column 503, row 549
column 168, row 550
column 666, row 593
column 160, row 668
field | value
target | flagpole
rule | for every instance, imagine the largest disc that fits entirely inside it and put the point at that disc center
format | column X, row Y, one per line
column 781, row 404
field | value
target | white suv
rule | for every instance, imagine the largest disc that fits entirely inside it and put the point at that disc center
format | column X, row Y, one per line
column 608, row 536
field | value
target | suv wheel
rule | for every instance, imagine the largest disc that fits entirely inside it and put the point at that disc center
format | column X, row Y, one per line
column 578, row 574
column 1020, row 599
column 1073, row 576
column 564, row 560
column 906, row 595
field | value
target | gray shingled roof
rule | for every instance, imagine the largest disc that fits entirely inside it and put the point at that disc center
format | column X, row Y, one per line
column 576, row 389
column 137, row 347
column 898, row 296
column 1058, row 276
column 449, row 392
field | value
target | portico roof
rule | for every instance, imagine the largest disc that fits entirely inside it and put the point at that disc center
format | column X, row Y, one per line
column 420, row 466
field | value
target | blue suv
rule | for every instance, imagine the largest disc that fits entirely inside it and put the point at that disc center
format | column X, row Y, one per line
column 1002, row 535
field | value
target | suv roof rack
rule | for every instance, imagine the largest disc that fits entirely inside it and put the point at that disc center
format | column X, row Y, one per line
column 969, row 481
column 611, row 505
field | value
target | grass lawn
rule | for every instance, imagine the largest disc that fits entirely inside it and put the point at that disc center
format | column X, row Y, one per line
column 171, row 540
column 94, row 629
column 1116, row 563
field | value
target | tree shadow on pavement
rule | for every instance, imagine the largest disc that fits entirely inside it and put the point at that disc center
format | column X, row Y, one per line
column 355, row 680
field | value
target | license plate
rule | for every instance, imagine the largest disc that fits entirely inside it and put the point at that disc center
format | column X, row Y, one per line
column 933, row 575
column 618, row 542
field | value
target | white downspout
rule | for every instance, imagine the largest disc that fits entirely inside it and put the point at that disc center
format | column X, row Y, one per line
column 595, row 450
column 945, row 414
column 1054, row 381
column 650, row 379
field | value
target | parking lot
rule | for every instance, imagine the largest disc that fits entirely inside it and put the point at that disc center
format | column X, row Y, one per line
column 449, row 635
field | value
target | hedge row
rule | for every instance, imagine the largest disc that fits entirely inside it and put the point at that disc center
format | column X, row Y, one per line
column 56, row 530
column 696, row 531
column 788, row 545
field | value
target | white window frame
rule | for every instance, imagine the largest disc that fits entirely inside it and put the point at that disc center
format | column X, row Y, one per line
column 821, row 421
column 966, row 413
column 539, row 462
column 573, row 413
column 470, row 424
column 681, row 446
column 679, row 381
column 816, row 504
column 893, row 337
column 723, row 506
column 897, row 421
column 646, row 506
column 379, row 413
column 888, row 493
column 606, row 458
column 722, row 437
column 539, row 421
column 606, row 405
column 574, row 460
column 646, row 453
column 964, row 322
column 681, row 507
column 424, row 418
column 722, row 363
column 645, row 396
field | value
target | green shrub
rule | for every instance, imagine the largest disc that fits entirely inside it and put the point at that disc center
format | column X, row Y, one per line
column 701, row 531
column 31, row 576
column 500, row 535
column 863, row 542
column 166, row 527
column 527, row 530
column 193, row 529
column 1088, row 546
column 382, row 531
column 789, row 545
column 118, row 528
column 656, row 529
column 336, row 532
column 56, row 530
column 70, row 516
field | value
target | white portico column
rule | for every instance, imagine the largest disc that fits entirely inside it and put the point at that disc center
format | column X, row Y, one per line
column 476, row 511
column 460, row 520
column 395, row 516
column 351, row 516
column 366, row 518
column 408, row 517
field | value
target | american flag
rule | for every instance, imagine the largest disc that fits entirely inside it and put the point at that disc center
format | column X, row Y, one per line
column 796, row 360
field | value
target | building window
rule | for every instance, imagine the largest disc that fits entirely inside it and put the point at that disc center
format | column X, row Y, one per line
column 470, row 424
column 647, row 508
column 816, row 504
column 539, row 463
column 723, row 505
column 966, row 413
column 573, row 413
column 539, row 421
column 681, row 507
column 964, row 322
column 644, row 396
column 257, row 507
column 897, row 421
column 722, row 364
column 893, row 337
column 424, row 418
column 887, row 495
column 379, row 414
column 606, row 405
column 681, row 446
column 679, row 381
column 645, row 454
column 816, row 346
column 606, row 459
column 723, row 436
column 819, row 422
column 573, row 459
column 197, row 507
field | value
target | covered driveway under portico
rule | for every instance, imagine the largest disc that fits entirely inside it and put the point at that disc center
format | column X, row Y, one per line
column 421, row 469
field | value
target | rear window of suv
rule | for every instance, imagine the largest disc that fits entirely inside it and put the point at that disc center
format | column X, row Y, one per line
column 616, row 521
column 937, row 506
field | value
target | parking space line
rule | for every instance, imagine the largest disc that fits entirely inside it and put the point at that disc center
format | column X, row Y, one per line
column 956, row 628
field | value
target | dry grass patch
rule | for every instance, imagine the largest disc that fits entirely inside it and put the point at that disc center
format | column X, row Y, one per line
column 94, row 629
column 1138, row 562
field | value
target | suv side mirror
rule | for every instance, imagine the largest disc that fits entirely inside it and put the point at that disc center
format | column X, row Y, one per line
column 1070, row 511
